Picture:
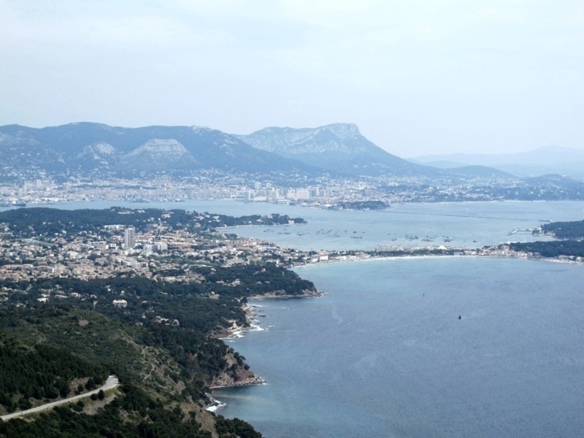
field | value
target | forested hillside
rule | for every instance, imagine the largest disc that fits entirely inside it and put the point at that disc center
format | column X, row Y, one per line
column 565, row 230
column 568, row 248
column 76, row 305
column 28, row 222
column 570, row 245
column 164, row 372
column 35, row 372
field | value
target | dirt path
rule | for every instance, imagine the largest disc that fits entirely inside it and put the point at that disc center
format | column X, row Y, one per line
column 110, row 383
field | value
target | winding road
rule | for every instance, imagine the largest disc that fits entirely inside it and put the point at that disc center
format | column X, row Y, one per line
column 110, row 383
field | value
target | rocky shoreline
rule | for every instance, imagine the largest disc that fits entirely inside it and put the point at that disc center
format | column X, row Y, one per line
column 282, row 294
column 239, row 373
column 242, row 378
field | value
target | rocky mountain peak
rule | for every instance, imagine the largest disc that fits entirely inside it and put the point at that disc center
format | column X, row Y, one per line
column 343, row 130
column 290, row 141
column 339, row 147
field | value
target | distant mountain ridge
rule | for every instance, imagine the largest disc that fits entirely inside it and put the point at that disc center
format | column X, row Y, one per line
column 540, row 161
column 338, row 147
column 90, row 147
column 97, row 149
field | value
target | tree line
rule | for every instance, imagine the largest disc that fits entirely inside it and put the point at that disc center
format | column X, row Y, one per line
column 569, row 248
column 565, row 230
column 41, row 372
column 34, row 222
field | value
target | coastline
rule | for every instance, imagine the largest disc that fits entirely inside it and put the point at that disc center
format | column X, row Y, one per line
column 250, row 379
column 215, row 404
column 243, row 376
column 406, row 255
column 247, row 377
column 238, row 331
column 276, row 295
column 411, row 330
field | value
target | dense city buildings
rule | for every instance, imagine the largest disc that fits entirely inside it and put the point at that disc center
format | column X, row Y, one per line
column 323, row 192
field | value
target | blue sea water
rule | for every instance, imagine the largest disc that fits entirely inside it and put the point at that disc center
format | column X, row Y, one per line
column 461, row 225
column 440, row 347
column 419, row 347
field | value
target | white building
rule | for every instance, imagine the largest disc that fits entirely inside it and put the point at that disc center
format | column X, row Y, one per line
column 130, row 237
column 120, row 303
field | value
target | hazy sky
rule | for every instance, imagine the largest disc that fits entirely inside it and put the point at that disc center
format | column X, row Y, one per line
column 417, row 77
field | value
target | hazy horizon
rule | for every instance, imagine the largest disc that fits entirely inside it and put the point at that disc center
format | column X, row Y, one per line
column 442, row 77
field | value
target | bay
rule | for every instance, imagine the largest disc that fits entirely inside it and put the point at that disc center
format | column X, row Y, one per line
column 459, row 225
column 453, row 224
column 442, row 347
column 384, row 352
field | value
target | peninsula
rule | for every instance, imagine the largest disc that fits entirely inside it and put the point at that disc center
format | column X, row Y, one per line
column 142, row 294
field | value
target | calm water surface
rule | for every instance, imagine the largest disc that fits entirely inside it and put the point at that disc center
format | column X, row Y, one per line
column 468, row 225
column 384, row 352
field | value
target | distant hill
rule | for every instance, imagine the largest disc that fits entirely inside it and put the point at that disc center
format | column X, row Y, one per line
column 479, row 172
column 541, row 161
column 338, row 147
column 98, row 149
column 88, row 147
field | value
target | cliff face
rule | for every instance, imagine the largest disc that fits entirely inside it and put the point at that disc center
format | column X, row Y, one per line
column 237, row 373
column 339, row 147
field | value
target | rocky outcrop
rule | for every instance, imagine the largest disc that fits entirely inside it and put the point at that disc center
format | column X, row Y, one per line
column 281, row 293
column 237, row 373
